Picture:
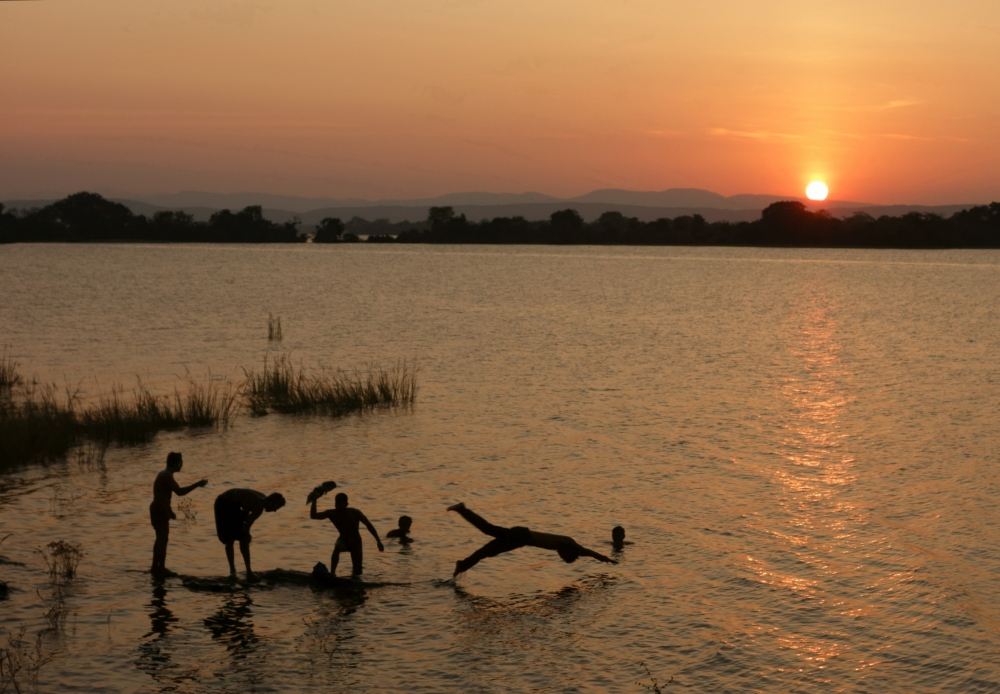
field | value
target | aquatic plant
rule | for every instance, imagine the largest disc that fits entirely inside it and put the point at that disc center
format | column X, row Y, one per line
column 62, row 558
column 283, row 388
column 273, row 328
column 207, row 405
column 8, row 371
column 36, row 425
column 21, row 659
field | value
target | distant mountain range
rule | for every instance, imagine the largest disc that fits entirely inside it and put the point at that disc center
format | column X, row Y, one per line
column 646, row 205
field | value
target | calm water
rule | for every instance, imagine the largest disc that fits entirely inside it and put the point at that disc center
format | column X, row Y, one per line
column 801, row 444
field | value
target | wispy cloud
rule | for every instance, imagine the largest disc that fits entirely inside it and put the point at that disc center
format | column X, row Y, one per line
column 752, row 134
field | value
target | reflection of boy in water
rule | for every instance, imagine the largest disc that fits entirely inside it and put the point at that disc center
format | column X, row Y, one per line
column 235, row 511
column 508, row 539
column 347, row 521
column 403, row 531
column 160, row 513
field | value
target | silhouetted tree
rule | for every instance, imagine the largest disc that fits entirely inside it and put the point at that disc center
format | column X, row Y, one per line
column 328, row 230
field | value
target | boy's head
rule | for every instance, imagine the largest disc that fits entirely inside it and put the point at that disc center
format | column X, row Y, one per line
column 174, row 461
column 618, row 534
column 340, row 501
column 273, row 502
column 404, row 523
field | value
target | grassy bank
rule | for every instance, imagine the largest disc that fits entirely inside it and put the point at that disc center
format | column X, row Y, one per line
column 38, row 423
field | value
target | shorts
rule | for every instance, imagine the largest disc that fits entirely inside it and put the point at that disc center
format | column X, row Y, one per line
column 229, row 520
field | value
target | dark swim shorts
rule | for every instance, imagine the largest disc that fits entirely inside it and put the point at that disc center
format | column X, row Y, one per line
column 229, row 520
column 160, row 515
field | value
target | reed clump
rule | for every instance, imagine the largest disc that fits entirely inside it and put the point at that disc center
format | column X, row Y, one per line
column 281, row 387
column 273, row 328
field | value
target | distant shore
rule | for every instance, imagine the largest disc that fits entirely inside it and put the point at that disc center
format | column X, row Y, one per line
column 88, row 217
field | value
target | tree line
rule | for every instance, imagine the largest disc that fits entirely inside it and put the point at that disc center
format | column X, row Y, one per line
column 89, row 217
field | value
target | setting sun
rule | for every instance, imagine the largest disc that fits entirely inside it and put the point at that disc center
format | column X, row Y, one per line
column 817, row 190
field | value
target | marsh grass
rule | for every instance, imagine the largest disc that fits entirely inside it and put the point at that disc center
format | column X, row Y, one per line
column 273, row 328
column 36, row 424
column 281, row 387
column 8, row 371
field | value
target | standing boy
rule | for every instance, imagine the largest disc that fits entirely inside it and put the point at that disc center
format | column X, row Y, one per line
column 160, row 512
column 347, row 521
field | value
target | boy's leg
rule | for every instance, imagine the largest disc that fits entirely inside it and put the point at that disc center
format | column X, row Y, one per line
column 160, row 547
column 335, row 558
column 231, row 558
column 245, row 551
column 490, row 549
column 478, row 521
column 357, row 556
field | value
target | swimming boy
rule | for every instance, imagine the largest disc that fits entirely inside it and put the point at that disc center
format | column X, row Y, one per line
column 402, row 532
column 160, row 512
column 508, row 539
column 347, row 521
column 235, row 512
column 618, row 538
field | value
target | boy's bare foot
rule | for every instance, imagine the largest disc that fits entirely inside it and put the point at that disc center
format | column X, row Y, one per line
column 457, row 507
column 252, row 577
column 460, row 567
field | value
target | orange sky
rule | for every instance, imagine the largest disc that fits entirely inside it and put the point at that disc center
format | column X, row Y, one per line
column 887, row 100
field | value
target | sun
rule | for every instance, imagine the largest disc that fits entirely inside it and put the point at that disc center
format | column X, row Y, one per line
column 817, row 190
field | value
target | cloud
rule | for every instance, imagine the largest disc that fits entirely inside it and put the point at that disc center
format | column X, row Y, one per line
column 752, row 134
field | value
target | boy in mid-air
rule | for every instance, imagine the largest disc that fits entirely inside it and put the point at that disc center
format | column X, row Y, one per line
column 160, row 512
column 507, row 539
column 347, row 521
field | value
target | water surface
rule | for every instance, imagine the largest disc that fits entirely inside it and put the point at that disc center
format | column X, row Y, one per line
column 801, row 444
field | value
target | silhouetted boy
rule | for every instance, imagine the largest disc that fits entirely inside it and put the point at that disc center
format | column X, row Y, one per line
column 160, row 512
column 618, row 538
column 347, row 521
column 508, row 539
column 402, row 532
column 235, row 512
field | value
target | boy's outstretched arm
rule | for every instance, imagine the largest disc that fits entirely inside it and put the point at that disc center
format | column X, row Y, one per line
column 184, row 491
column 584, row 552
column 371, row 529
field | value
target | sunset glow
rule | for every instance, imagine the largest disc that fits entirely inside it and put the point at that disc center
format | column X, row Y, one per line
column 560, row 97
column 817, row 190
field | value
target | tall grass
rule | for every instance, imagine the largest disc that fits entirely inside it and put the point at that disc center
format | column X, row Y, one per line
column 37, row 425
column 281, row 387
column 8, row 371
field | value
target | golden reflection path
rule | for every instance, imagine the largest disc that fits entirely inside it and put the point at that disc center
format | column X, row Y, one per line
column 812, row 523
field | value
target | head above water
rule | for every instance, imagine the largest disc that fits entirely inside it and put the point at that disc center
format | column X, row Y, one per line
column 174, row 460
column 340, row 501
column 405, row 522
column 273, row 502
column 618, row 534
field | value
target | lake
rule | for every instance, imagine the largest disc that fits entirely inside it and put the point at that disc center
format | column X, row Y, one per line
column 801, row 445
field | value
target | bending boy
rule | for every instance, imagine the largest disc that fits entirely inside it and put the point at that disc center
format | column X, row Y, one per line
column 235, row 512
column 347, row 521
column 508, row 539
column 160, row 512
